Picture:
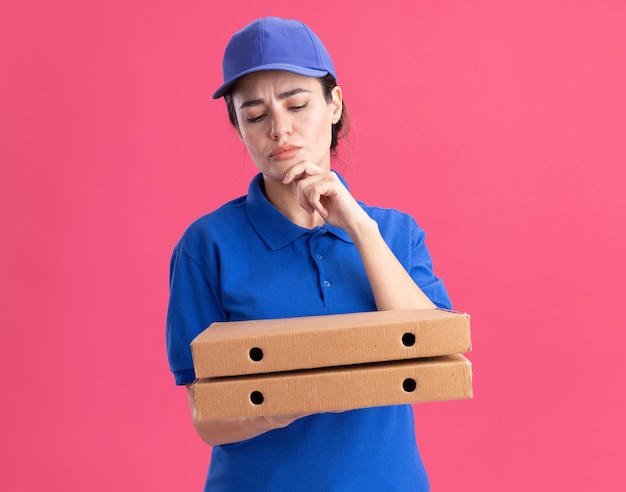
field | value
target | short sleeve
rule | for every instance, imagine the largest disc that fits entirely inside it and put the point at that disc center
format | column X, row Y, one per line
column 194, row 304
column 421, row 269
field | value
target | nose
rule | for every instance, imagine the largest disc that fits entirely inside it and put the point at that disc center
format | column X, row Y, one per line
column 281, row 125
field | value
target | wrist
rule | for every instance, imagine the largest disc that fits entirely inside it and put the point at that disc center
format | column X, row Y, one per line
column 363, row 230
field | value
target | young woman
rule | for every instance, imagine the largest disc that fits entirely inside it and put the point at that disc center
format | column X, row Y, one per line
column 298, row 244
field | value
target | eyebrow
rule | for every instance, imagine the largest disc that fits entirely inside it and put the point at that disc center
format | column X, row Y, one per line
column 281, row 96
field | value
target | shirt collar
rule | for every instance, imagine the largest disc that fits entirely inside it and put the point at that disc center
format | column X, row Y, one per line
column 272, row 226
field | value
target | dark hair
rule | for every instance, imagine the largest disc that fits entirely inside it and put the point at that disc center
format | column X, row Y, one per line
column 339, row 129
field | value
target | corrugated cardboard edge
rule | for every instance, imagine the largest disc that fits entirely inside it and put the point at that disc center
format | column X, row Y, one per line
column 224, row 349
column 327, row 390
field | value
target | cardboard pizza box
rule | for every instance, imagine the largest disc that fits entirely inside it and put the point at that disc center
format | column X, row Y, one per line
column 275, row 345
column 441, row 378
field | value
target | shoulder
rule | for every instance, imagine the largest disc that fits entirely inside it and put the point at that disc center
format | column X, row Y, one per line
column 389, row 217
column 399, row 228
column 210, row 227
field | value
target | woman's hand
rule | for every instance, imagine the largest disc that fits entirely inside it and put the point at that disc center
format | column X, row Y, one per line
column 322, row 191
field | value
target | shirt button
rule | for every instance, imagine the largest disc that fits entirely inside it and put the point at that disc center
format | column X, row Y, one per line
column 326, row 283
column 319, row 256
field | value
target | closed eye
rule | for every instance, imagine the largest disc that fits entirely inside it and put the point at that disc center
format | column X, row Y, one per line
column 295, row 109
column 255, row 119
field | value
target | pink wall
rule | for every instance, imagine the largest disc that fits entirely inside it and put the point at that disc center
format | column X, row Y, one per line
column 498, row 124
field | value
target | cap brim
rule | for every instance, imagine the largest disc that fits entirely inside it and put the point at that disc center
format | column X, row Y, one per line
column 307, row 72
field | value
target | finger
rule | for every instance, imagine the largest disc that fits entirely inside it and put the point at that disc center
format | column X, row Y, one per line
column 315, row 203
column 300, row 171
column 304, row 199
column 313, row 191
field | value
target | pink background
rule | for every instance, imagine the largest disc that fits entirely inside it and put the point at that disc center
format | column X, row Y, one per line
column 500, row 125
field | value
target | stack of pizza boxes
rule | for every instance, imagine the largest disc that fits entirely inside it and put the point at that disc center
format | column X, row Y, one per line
column 331, row 363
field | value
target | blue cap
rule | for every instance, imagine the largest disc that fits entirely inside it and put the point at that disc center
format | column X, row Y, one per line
column 271, row 43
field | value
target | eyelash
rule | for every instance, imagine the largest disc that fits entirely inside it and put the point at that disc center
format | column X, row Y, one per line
column 295, row 109
column 256, row 119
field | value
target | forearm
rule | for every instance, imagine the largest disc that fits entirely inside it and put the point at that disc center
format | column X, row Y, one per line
column 226, row 431
column 393, row 287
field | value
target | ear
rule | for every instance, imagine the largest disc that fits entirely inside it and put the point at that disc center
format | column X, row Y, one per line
column 239, row 133
column 336, row 103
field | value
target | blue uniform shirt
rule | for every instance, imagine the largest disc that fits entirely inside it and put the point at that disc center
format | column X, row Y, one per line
column 248, row 261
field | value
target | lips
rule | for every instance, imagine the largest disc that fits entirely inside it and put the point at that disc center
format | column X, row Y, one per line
column 284, row 152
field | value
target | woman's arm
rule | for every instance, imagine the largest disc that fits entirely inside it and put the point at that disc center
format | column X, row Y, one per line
column 194, row 303
column 393, row 287
column 226, row 431
column 322, row 192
